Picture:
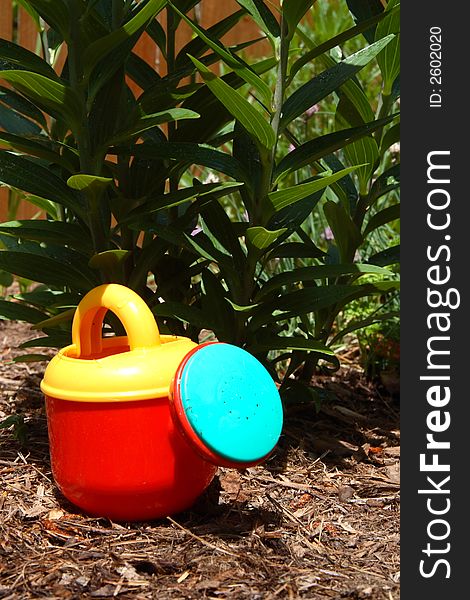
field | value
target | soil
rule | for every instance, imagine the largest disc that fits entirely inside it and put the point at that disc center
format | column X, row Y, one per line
column 319, row 520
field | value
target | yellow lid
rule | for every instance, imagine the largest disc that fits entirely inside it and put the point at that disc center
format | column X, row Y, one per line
column 138, row 366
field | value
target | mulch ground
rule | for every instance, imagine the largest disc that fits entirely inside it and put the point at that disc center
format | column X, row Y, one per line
column 319, row 520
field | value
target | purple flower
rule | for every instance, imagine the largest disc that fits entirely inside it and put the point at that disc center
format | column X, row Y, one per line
column 311, row 111
column 196, row 230
column 327, row 234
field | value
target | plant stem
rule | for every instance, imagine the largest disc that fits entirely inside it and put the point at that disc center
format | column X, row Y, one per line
column 322, row 329
column 82, row 133
column 265, row 185
column 279, row 92
column 361, row 210
column 387, row 103
column 117, row 12
column 170, row 58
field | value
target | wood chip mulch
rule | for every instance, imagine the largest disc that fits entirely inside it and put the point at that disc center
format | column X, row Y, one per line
column 319, row 520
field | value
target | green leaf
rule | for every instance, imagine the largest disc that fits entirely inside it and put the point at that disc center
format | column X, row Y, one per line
column 260, row 238
column 83, row 182
column 49, row 231
column 167, row 93
column 390, row 256
column 44, row 269
column 323, row 145
column 113, row 109
column 282, row 198
column 214, row 302
column 158, row 35
column 231, row 60
column 364, row 152
column 296, row 250
column 344, row 188
column 29, row 358
column 215, row 219
column 59, row 100
column 30, row 177
column 390, row 137
column 361, row 324
column 381, row 218
column 41, row 298
column 241, row 309
column 57, row 320
column 185, row 313
column 149, row 121
column 101, row 48
column 389, row 57
column 13, row 56
column 197, row 46
column 140, row 215
column 275, row 342
column 292, row 217
column 387, row 182
column 202, row 245
column 22, row 106
column 187, row 152
column 317, row 272
column 250, row 118
column 31, row 12
column 111, row 262
column 20, row 429
column 140, row 71
column 33, row 148
column 58, row 340
column 51, row 209
column 108, row 67
column 14, row 311
column 329, row 81
column 365, row 9
column 262, row 16
column 15, row 123
column 301, row 302
column 6, row 279
column 214, row 114
column 383, row 287
column 331, row 43
column 56, row 14
column 347, row 236
column 350, row 89
column 293, row 11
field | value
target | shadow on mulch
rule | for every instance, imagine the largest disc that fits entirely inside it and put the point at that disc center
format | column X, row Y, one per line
column 319, row 520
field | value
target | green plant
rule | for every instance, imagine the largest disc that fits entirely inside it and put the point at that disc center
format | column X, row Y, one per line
column 257, row 307
column 19, row 427
column 211, row 248
column 59, row 129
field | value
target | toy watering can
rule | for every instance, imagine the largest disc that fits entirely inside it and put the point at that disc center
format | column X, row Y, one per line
column 139, row 423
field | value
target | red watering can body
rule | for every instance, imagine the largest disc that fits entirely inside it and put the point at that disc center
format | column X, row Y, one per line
column 132, row 434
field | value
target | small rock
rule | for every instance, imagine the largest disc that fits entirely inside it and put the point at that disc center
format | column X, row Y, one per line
column 55, row 514
column 82, row 581
column 393, row 472
column 345, row 493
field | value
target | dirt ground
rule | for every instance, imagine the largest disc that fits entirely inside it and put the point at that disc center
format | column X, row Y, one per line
column 319, row 520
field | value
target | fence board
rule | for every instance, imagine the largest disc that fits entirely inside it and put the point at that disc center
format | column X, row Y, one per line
column 27, row 32
column 6, row 32
column 6, row 19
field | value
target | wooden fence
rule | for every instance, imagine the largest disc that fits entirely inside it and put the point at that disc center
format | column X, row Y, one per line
column 22, row 31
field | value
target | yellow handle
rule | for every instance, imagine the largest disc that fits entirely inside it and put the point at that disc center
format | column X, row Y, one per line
column 131, row 310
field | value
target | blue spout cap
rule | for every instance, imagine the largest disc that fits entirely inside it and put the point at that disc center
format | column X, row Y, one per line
column 230, row 403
